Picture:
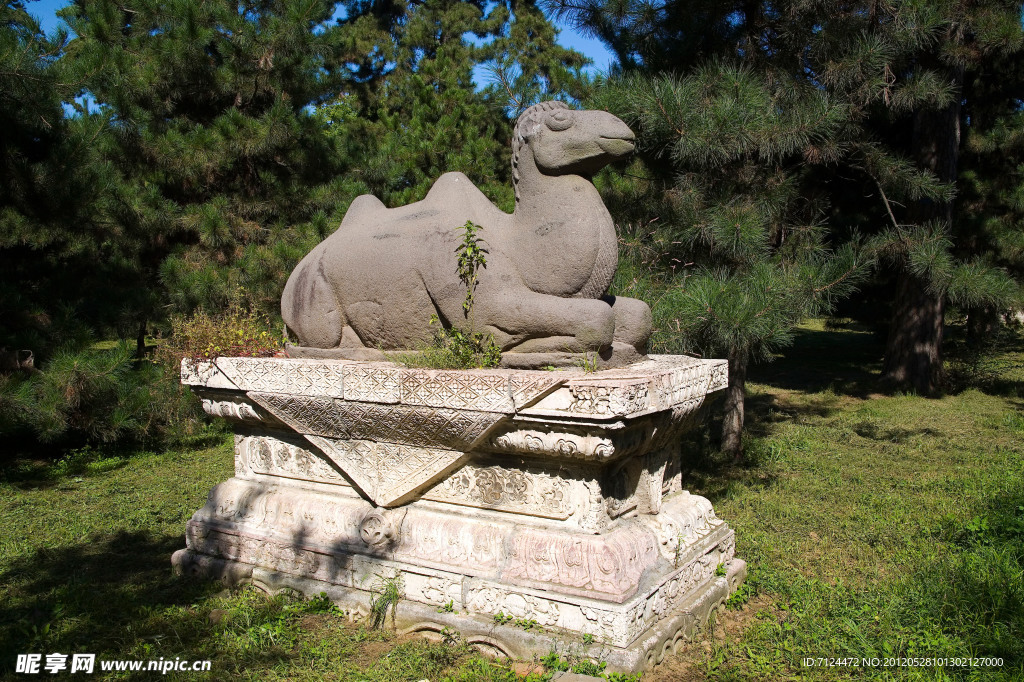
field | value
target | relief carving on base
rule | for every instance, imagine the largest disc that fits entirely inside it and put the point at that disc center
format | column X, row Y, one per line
column 436, row 590
column 559, row 443
column 617, row 399
column 607, row 565
column 318, row 518
column 689, row 518
column 381, row 528
column 531, row 492
column 440, row 540
column 491, row 599
column 274, row 457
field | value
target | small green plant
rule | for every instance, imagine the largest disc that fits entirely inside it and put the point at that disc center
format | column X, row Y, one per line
column 471, row 258
column 720, row 570
column 553, row 662
column 741, row 596
column 453, row 349
column 623, row 677
column 588, row 667
column 527, row 623
column 320, row 603
column 447, row 607
column 587, row 362
column 500, row 618
column 384, row 597
column 588, row 638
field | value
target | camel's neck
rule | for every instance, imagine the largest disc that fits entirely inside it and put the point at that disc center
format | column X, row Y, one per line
column 565, row 236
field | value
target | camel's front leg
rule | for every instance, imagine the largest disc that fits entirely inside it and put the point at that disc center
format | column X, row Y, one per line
column 524, row 321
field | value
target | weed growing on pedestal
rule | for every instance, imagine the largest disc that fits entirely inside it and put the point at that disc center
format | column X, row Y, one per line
column 454, row 348
column 471, row 259
column 384, row 597
column 588, row 363
column 239, row 331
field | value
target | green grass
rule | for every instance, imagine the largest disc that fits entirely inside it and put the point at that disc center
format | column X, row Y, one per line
column 873, row 525
column 85, row 567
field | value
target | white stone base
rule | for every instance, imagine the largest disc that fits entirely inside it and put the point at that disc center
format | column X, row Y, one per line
column 552, row 498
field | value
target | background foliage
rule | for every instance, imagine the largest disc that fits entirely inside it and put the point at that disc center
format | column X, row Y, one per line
column 169, row 153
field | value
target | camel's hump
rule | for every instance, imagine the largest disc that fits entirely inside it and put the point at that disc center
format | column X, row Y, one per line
column 362, row 206
column 456, row 193
column 453, row 199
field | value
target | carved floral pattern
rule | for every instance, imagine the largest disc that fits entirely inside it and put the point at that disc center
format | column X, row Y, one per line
column 493, row 487
column 562, row 443
column 606, row 566
column 274, row 457
column 612, row 400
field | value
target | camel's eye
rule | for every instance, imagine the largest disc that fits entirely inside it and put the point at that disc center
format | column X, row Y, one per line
column 560, row 119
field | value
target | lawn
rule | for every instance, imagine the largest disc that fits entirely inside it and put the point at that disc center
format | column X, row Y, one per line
column 874, row 526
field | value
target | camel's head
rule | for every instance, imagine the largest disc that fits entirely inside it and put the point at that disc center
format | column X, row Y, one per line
column 567, row 141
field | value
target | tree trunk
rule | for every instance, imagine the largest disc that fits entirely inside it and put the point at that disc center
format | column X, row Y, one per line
column 140, row 341
column 982, row 324
column 732, row 420
column 913, row 354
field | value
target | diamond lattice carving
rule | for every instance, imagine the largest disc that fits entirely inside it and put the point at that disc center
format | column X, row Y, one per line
column 315, row 415
column 461, row 390
column 415, row 425
column 389, row 473
column 284, row 375
column 372, row 383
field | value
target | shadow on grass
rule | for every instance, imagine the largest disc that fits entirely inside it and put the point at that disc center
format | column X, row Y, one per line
column 846, row 361
column 92, row 596
column 26, row 470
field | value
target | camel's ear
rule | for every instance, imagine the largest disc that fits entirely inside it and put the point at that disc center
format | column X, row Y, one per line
column 529, row 129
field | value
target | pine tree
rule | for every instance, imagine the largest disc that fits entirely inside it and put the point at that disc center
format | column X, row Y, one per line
column 50, row 239
column 528, row 64
column 899, row 70
column 414, row 98
column 727, row 160
column 909, row 71
column 220, row 176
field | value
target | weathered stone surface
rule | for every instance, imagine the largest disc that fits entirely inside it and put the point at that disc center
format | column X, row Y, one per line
column 376, row 282
column 552, row 497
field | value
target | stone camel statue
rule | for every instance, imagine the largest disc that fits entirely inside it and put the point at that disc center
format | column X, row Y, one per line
column 374, row 284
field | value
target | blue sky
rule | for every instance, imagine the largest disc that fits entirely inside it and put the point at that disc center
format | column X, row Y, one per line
column 45, row 11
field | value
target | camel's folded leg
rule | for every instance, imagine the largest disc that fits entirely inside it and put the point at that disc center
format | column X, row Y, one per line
column 524, row 321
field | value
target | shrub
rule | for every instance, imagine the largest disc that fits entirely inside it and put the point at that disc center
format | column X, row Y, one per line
column 86, row 396
column 240, row 331
column 453, row 349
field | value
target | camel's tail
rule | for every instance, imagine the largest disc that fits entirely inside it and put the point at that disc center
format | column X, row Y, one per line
column 309, row 305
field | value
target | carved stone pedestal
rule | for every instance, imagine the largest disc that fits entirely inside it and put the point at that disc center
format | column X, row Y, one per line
column 550, row 498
